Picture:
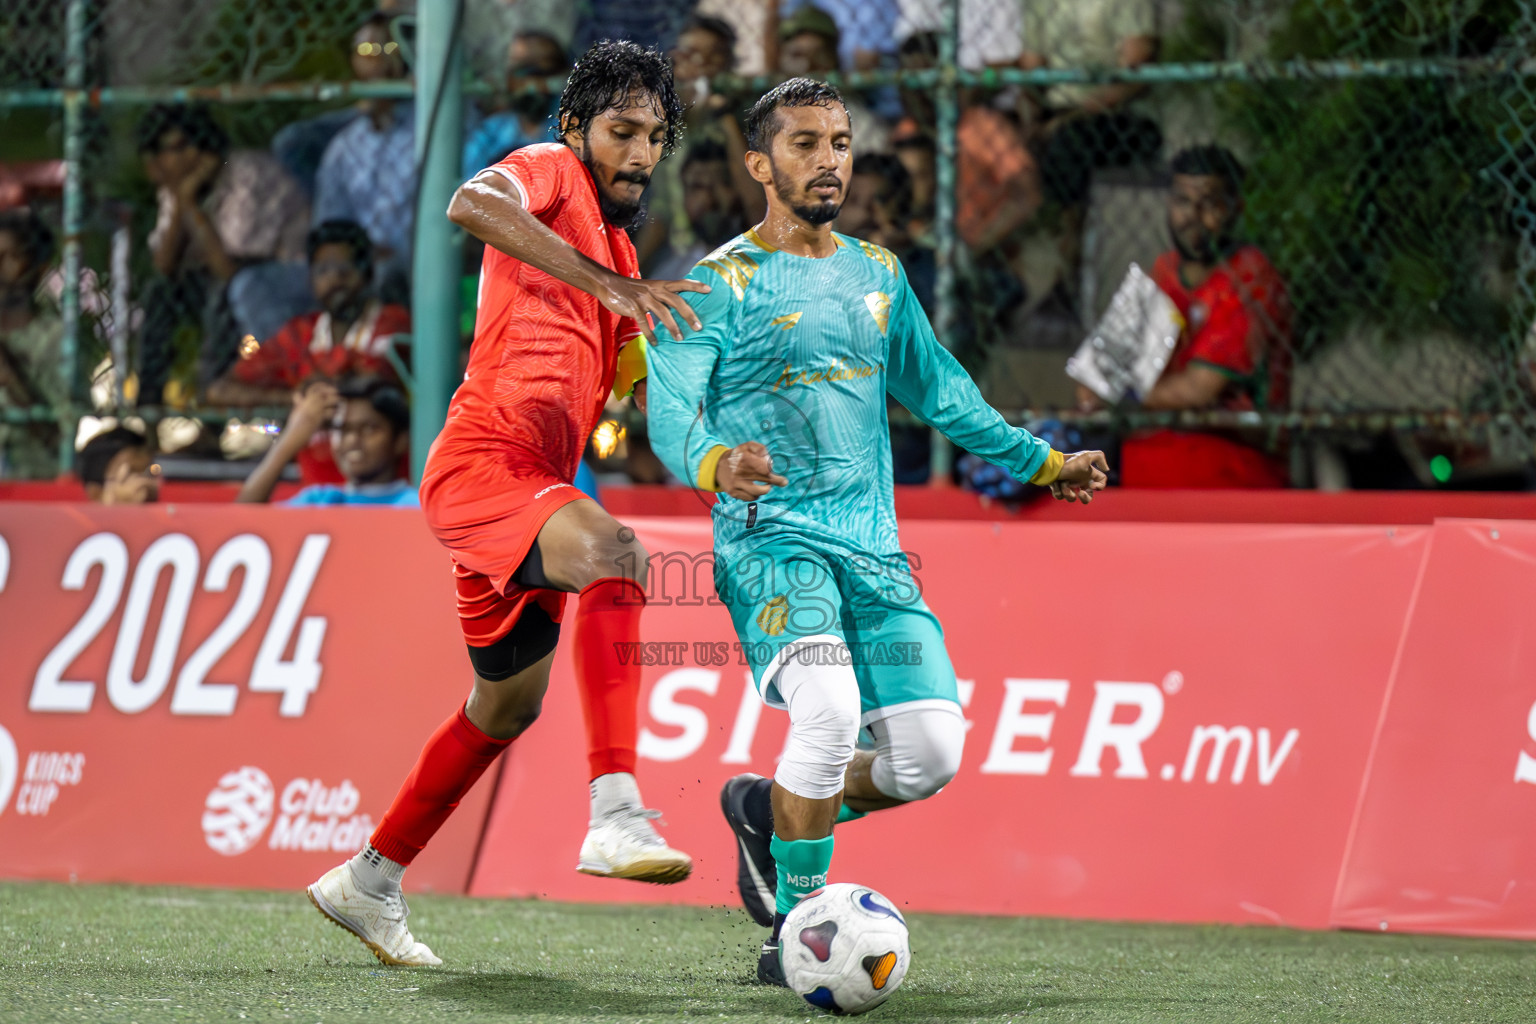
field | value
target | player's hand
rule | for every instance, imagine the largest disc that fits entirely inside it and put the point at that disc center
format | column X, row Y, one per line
column 1081, row 475
column 746, row 472
column 641, row 300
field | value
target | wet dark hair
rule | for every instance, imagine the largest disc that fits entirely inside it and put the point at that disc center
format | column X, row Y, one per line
column 609, row 75
column 32, row 234
column 762, row 125
column 100, row 450
column 1211, row 161
column 387, row 400
column 343, row 232
column 194, row 120
column 718, row 27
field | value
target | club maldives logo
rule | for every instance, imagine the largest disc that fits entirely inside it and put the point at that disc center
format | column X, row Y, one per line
column 8, row 766
column 310, row 816
column 238, row 811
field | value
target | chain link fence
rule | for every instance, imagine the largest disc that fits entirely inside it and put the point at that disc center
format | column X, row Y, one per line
column 1338, row 196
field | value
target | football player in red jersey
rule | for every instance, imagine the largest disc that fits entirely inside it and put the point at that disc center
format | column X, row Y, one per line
column 559, row 298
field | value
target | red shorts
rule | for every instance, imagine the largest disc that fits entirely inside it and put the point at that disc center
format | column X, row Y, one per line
column 487, row 510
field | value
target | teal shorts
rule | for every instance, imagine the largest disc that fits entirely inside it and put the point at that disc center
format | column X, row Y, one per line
column 783, row 588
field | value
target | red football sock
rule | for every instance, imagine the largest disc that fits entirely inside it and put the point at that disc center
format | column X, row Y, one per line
column 452, row 761
column 607, row 619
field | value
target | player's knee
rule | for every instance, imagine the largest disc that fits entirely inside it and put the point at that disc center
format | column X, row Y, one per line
column 822, row 695
column 502, row 711
column 606, row 557
column 923, row 757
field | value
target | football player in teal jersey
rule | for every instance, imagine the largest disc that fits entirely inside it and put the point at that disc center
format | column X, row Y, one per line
column 778, row 404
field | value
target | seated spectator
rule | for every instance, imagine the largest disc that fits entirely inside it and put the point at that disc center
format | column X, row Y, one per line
column 706, row 48
column 532, row 57
column 30, row 332
column 117, row 468
column 808, row 45
column 1235, row 352
column 878, row 209
column 221, row 215
column 866, row 29
column 651, row 23
column 1078, row 127
column 919, row 155
column 997, row 189
column 350, row 336
column 713, row 208
column 370, row 423
column 368, row 173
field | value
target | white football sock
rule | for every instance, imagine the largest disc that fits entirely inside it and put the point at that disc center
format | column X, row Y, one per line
column 375, row 872
column 613, row 792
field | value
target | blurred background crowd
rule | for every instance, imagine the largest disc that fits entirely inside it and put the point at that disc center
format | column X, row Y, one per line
column 1335, row 196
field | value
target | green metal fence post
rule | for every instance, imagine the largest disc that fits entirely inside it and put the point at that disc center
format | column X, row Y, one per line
column 435, row 258
column 948, row 106
column 74, row 152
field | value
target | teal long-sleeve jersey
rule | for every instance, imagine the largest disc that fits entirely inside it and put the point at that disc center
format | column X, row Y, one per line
column 799, row 353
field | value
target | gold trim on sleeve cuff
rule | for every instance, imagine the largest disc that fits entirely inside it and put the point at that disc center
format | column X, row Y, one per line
column 1050, row 469
column 707, row 467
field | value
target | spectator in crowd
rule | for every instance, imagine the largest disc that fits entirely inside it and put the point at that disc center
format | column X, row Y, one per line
column 866, row 29
column 368, row 173
column 370, row 424
column 651, row 23
column 879, row 210
column 30, row 332
column 706, row 48
column 808, row 45
column 1235, row 351
column 1078, row 127
column 490, row 26
column 531, row 58
column 117, row 467
column 350, row 336
column 713, row 208
column 919, row 155
column 221, row 215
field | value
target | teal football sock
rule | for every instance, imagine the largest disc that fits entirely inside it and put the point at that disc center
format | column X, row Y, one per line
column 803, row 865
column 846, row 813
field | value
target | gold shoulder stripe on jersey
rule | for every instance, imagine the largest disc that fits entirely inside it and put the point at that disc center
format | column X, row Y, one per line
column 879, row 305
column 786, row 321
column 880, row 255
column 736, row 269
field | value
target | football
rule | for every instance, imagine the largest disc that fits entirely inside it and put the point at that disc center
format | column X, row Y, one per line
column 845, row 948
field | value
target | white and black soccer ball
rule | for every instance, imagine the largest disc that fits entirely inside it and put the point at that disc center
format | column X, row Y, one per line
column 845, row 948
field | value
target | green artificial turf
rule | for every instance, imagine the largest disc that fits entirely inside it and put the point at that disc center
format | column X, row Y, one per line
column 119, row 953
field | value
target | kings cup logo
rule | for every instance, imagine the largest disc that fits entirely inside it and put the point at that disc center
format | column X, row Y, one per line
column 238, row 811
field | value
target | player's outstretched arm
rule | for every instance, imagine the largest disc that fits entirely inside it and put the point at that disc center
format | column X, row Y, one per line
column 489, row 207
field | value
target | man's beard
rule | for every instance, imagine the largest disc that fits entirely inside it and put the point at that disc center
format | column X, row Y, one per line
column 348, row 308
column 1208, row 253
column 824, row 212
column 621, row 213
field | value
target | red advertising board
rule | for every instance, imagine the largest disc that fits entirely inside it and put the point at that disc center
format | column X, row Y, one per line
column 1168, row 723
column 1444, row 839
column 219, row 695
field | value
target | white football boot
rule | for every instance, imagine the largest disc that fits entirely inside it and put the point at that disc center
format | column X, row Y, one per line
column 624, row 844
column 378, row 920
